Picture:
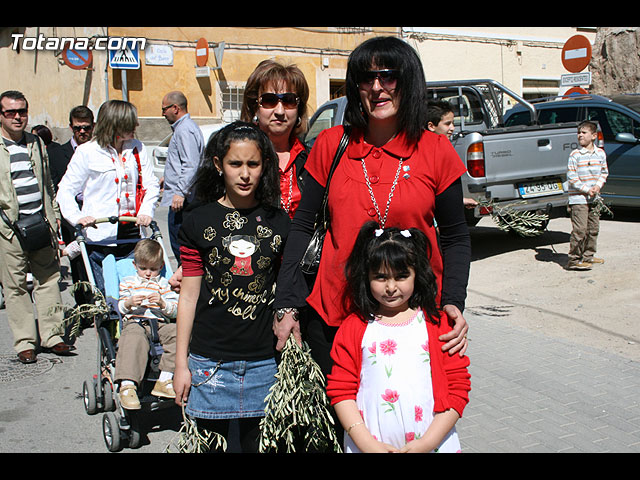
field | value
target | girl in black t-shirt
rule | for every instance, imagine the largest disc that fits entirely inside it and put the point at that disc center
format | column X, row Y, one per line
column 231, row 243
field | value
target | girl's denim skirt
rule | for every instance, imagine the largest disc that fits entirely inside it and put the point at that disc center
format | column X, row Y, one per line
column 233, row 389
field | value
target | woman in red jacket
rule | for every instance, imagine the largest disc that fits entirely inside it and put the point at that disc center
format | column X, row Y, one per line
column 392, row 386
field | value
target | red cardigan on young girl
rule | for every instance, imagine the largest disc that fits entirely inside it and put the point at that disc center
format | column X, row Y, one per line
column 450, row 376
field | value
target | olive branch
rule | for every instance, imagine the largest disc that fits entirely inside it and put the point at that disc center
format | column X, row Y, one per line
column 599, row 207
column 191, row 439
column 297, row 405
column 525, row 223
column 73, row 315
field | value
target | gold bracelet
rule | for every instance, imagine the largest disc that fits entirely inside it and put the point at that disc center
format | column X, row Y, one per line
column 354, row 425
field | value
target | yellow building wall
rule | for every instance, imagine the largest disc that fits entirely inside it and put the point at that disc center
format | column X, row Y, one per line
column 507, row 54
column 320, row 52
column 51, row 87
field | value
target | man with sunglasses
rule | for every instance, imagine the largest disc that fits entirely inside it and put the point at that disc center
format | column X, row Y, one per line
column 81, row 124
column 183, row 159
column 26, row 190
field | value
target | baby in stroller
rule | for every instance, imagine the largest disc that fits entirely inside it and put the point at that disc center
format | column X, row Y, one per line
column 144, row 298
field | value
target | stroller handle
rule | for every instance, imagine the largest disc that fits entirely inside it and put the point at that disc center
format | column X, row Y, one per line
column 80, row 237
column 115, row 219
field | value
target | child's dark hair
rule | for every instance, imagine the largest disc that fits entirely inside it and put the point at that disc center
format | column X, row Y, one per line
column 209, row 184
column 395, row 249
column 436, row 109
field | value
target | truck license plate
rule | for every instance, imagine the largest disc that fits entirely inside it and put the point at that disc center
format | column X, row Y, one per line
column 540, row 189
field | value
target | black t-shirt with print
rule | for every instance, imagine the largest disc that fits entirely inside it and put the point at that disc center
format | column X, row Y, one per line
column 241, row 251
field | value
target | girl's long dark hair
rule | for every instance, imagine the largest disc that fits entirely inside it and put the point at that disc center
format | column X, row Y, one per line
column 209, row 184
column 391, row 249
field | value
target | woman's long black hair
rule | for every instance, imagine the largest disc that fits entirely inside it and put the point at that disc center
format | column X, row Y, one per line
column 398, row 250
column 389, row 53
column 209, row 184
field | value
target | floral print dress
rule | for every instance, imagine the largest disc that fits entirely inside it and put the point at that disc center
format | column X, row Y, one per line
column 395, row 397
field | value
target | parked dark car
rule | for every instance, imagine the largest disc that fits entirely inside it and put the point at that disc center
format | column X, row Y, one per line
column 619, row 119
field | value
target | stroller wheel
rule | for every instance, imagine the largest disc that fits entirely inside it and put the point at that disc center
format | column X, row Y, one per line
column 107, row 392
column 135, row 437
column 111, row 431
column 89, row 396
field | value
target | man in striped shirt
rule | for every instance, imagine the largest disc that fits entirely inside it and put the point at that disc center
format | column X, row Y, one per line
column 586, row 174
column 25, row 189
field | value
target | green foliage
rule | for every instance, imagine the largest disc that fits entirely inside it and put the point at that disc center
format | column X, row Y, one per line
column 525, row 223
column 297, row 413
column 599, row 207
column 191, row 439
column 73, row 315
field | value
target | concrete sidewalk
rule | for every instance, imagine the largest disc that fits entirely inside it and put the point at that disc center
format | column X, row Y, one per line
column 533, row 393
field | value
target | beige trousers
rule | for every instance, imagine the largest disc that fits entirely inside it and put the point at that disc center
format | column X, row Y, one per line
column 584, row 234
column 30, row 330
column 133, row 350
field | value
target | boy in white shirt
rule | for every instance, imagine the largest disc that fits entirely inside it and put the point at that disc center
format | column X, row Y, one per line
column 586, row 174
column 146, row 295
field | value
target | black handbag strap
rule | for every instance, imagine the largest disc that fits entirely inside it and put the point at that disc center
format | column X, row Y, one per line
column 342, row 146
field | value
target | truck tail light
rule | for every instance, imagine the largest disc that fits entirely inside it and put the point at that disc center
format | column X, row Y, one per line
column 600, row 139
column 475, row 160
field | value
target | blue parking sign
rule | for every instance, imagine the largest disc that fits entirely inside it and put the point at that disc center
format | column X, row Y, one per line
column 76, row 58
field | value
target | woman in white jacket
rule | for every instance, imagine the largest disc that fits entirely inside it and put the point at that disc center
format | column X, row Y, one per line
column 104, row 174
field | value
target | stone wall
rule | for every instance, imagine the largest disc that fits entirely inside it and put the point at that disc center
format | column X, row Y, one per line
column 615, row 63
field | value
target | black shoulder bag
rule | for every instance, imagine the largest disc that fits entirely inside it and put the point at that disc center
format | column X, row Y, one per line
column 311, row 258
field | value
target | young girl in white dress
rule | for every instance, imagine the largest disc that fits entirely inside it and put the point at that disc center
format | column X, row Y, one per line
column 392, row 386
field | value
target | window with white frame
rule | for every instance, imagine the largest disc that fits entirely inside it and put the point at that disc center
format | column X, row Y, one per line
column 231, row 96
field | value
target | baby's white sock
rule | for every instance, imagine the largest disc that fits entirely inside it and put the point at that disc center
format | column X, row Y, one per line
column 124, row 383
column 164, row 376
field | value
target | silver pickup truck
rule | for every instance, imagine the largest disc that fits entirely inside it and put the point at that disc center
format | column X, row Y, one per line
column 524, row 166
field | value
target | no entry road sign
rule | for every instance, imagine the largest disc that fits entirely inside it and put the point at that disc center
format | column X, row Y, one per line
column 576, row 53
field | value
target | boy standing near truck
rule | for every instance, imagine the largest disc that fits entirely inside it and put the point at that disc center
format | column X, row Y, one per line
column 586, row 174
column 440, row 120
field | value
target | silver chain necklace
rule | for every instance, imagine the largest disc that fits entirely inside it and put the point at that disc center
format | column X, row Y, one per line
column 382, row 219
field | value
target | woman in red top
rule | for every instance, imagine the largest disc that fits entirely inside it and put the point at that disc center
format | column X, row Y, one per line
column 275, row 99
column 393, row 171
